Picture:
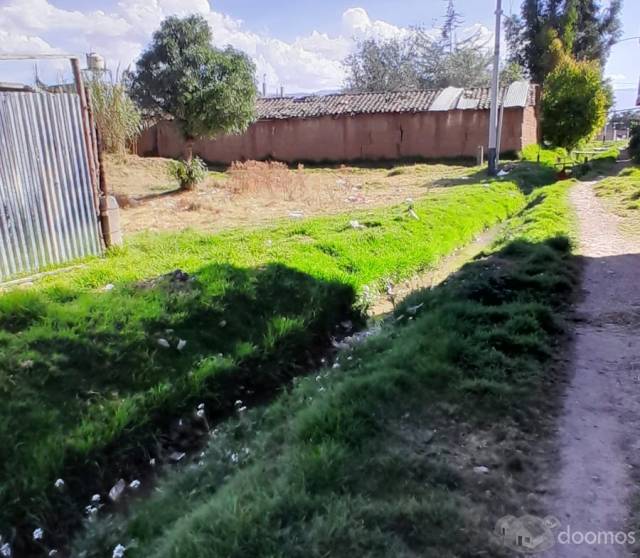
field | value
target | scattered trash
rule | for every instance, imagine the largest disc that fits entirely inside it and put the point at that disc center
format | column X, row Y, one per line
column 152, row 461
column 238, row 402
column 117, row 490
column 296, row 214
column 53, row 552
column 38, row 534
column 200, row 406
column 413, row 310
column 118, row 551
column 59, row 484
column 222, row 323
column 242, row 409
column 181, row 344
column 503, row 173
column 177, row 456
column 234, row 457
column 91, row 511
column 481, row 470
column 200, row 413
column 109, row 287
column 5, row 550
column 336, row 365
column 164, row 343
column 412, row 213
column 26, row 364
column 95, row 498
column 135, row 484
column 356, row 225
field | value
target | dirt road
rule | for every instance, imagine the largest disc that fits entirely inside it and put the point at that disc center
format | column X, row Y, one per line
column 599, row 429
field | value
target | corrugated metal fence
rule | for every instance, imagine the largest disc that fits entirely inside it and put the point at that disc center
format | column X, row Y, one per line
column 47, row 206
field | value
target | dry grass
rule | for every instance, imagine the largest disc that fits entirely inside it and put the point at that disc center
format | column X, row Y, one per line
column 255, row 193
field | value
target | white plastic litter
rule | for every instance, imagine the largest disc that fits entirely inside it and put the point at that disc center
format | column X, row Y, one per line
column 181, row 344
column 59, row 484
column 117, row 490
column 38, row 534
column 118, row 551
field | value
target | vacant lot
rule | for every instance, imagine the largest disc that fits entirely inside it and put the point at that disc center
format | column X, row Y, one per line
column 255, row 194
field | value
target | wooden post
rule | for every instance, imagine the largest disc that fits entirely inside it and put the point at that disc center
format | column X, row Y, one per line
column 86, row 128
column 480, row 156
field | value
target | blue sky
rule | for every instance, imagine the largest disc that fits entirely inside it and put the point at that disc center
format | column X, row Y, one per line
column 298, row 44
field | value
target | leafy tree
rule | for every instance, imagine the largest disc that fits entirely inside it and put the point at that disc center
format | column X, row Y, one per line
column 575, row 100
column 416, row 62
column 208, row 91
column 585, row 28
column 382, row 65
column 510, row 73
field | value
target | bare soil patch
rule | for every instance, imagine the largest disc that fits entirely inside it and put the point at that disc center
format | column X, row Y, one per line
column 254, row 194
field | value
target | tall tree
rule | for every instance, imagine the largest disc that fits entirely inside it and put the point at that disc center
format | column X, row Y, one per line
column 208, row 91
column 452, row 21
column 585, row 27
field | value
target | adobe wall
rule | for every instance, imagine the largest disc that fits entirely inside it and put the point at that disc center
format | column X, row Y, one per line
column 349, row 138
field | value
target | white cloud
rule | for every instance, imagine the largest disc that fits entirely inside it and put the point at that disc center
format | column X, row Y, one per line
column 310, row 62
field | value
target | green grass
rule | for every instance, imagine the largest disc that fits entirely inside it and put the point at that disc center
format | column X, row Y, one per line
column 623, row 190
column 340, row 465
column 84, row 380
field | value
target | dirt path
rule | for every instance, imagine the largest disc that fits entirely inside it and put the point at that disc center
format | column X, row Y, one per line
column 599, row 425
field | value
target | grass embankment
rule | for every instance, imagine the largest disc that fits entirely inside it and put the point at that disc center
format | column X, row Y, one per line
column 354, row 461
column 622, row 194
column 83, row 371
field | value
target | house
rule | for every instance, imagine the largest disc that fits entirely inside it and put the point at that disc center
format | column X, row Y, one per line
column 525, row 533
column 429, row 124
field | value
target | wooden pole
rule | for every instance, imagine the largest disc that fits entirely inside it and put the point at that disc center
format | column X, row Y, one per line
column 87, row 123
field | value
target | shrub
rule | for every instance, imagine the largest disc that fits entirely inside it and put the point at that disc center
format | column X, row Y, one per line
column 188, row 173
column 574, row 102
column 634, row 143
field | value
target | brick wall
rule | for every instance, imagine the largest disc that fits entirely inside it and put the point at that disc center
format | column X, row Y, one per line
column 456, row 133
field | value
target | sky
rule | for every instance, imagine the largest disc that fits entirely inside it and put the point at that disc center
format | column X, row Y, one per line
column 296, row 44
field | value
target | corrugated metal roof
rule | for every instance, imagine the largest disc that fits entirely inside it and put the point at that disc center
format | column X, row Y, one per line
column 517, row 94
column 447, row 99
column 278, row 108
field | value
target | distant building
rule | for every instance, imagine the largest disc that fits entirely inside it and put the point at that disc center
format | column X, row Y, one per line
column 345, row 127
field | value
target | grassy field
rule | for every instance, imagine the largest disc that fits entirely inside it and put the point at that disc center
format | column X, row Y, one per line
column 364, row 458
column 93, row 362
column 254, row 194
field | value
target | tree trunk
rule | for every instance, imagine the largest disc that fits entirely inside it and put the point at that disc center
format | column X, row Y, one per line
column 187, row 153
column 188, row 158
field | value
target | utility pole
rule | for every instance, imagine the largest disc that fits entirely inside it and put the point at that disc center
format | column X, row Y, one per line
column 492, row 154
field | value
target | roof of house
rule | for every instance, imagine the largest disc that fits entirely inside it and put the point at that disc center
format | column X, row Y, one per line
column 518, row 94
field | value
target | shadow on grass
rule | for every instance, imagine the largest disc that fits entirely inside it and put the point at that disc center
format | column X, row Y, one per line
column 96, row 383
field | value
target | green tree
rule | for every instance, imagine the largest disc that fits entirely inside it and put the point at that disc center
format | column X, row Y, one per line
column 575, row 101
column 208, row 91
column 586, row 28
